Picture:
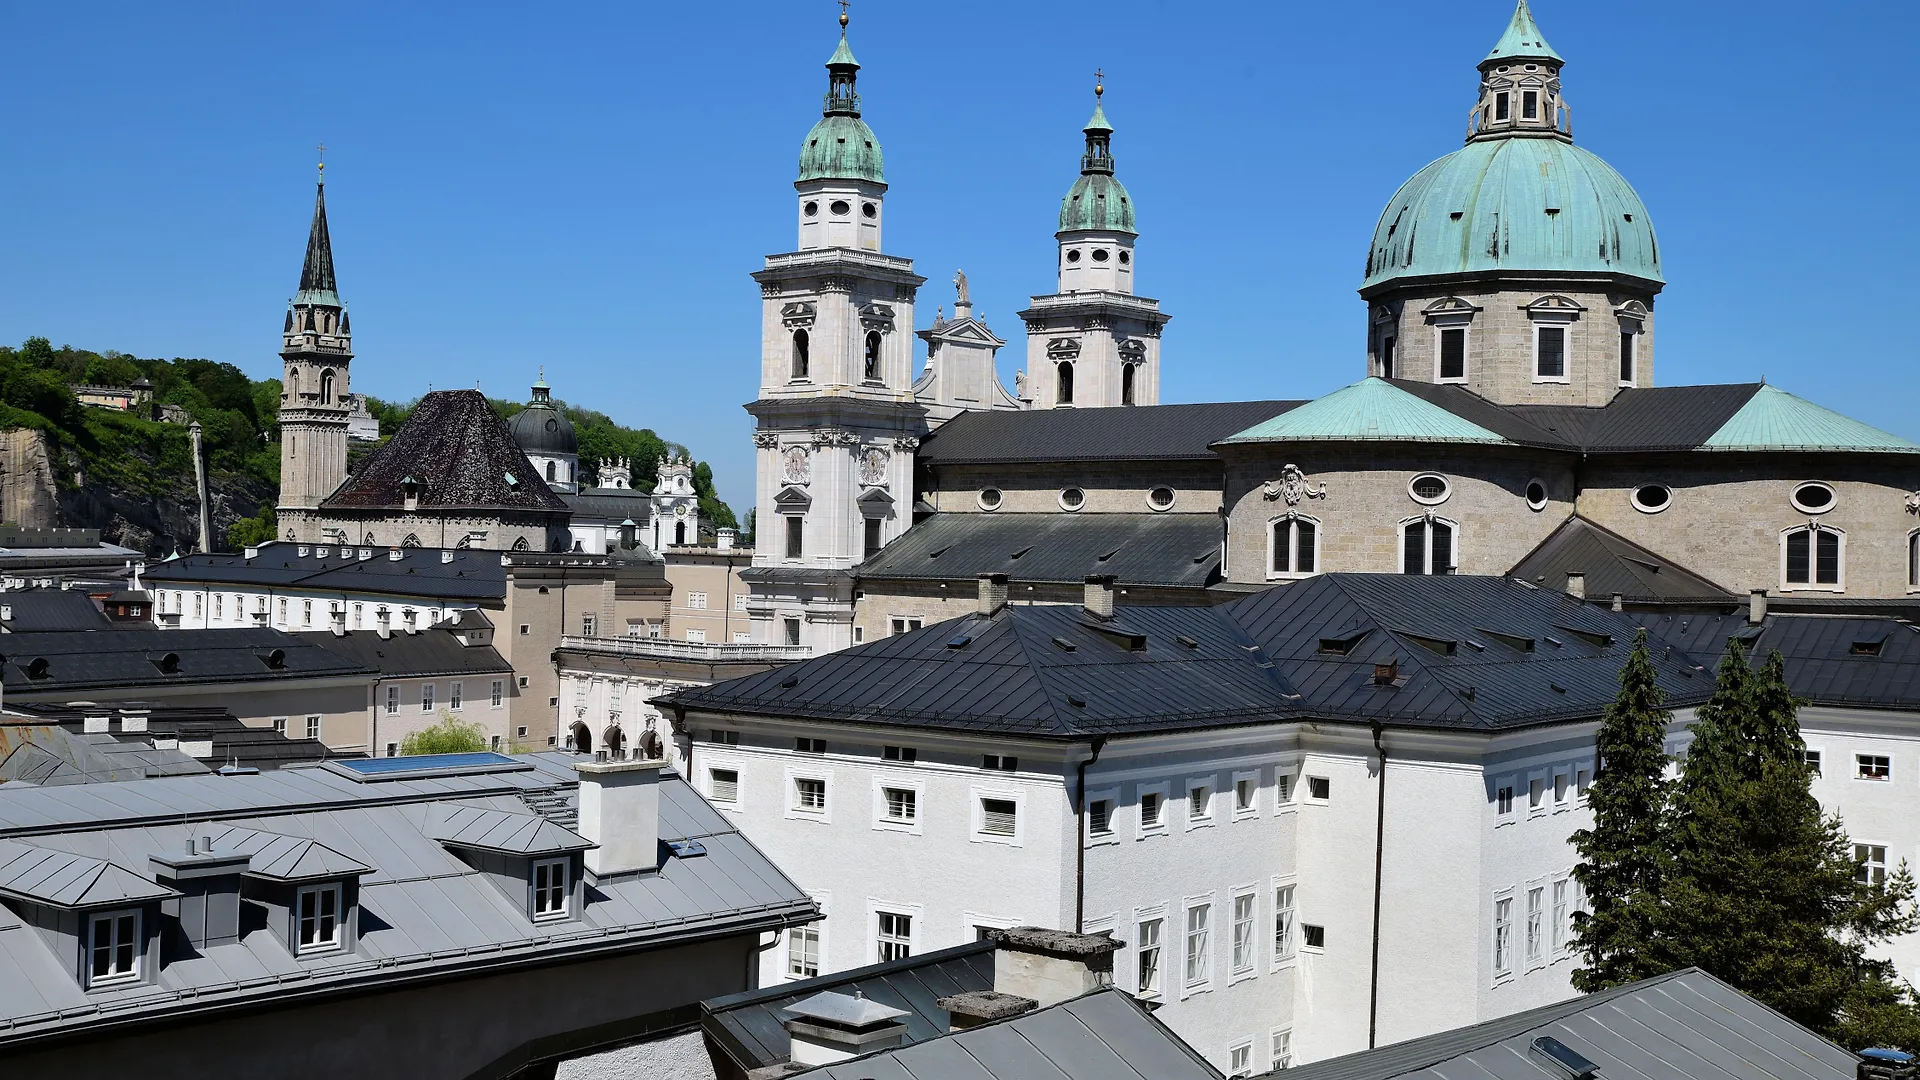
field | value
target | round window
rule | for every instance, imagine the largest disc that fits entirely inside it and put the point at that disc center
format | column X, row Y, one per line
column 1429, row 488
column 840, row 207
column 1074, row 255
column 868, row 210
column 1126, row 257
column 1652, row 498
column 1160, row 498
column 1072, row 499
column 990, row 498
column 1813, row 497
column 1536, row 495
column 812, row 209
column 1099, row 254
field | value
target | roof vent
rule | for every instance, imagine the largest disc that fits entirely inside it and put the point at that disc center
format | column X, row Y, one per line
column 1591, row 637
column 252, row 551
column 789, row 682
column 1187, row 641
column 446, row 557
column 1867, row 646
column 1442, row 646
column 365, row 554
column 302, row 550
column 960, row 642
column 1511, row 641
column 37, row 667
column 168, row 663
column 1342, row 646
column 1076, row 701
column 1064, row 645
column 1563, row 1059
column 276, row 660
column 1386, row 674
column 395, row 555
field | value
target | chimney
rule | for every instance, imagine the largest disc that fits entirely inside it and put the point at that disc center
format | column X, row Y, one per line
column 1099, row 602
column 208, row 881
column 338, row 622
column 976, row 1007
column 393, row 554
column 446, row 557
column 831, row 1027
column 6, row 612
column 993, row 594
column 1878, row 1063
column 620, row 811
column 1619, row 601
column 252, row 551
column 1756, row 607
column 1386, row 674
column 1577, row 585
column 723, row 539
column 1050, row 966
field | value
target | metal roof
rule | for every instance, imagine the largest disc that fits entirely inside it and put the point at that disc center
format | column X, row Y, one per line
column 1864, row 661
column 849, row 1009
column 1686, row 1023
column 1370, row 410
column 1105, row 1035
column 1522, row 39
column 750, row 1026
column 51, row 609
column 1127, row 433
column 1775, row 420
column 75, row 881
column 1137, row 549
column 68, row 662
column 1613, row 565
column 427, row 573
column 489, row 829
column 435, row 651
column 430, row 910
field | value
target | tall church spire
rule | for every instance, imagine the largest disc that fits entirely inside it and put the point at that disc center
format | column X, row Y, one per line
column 316, row 350
column 316, row 275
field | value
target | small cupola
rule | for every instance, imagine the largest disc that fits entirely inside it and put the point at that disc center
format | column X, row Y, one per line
column 1520, row 86
column 830, row 1027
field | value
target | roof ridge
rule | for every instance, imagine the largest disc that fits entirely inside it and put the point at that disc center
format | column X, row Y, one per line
column 1015, row 627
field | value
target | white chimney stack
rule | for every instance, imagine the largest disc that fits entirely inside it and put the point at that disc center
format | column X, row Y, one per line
column 1099, row 596
column 1050, row 966
column 723, row 539
column 1756, row 607
column 993, row 594
column 620, row 811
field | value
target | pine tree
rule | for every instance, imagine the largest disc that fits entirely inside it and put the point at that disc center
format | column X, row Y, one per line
column 1759, row 885
column 1620, row 866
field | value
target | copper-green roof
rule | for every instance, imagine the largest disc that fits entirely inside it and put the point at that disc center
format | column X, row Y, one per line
column 1775, row 420
column 1097, row 203
column 1370, row 410
column 842, row 147
column 842, row 56
column 1522, row 40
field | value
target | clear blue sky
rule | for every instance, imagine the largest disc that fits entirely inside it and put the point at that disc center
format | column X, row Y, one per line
column 588, row 187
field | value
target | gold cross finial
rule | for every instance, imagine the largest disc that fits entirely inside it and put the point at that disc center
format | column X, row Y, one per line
column 322, row 148
column 1099, row 84
column 843, row 16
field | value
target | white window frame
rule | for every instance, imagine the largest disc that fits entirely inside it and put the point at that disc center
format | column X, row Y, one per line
column 498, row 694
column 914, row 913
column 1881, row 866
column 977, row 802
column 1287, row 905
column 884, row 823
column 1560, row 788
column 1913, row 561
column 319, row 945
column 1280, row 1047
column 1400, row 560
column 138, row 964
column 805, row 937
column 1286, row 790
column 1202, row 982
column 1112, row 798
column 1462, row 322
column 793, row 810
column 1306, row 790
column 1511, row 786
column 738, row 802
column 1566, row 351
column 1158, row 827
column 1250, row 945
column 696, row 601
column 1502, row 954
column 1240, row 1059
column 565, row 910
column 426, row 697
column 1251, row 811
column 456, row 695
column 1560, row 917
column 313, row 728
column 1538, row 807
column 1293, row 573
column 1534, row 933
column 1813, row 560
column 1142, row 916
column 1212, row 788
column 1858, row 774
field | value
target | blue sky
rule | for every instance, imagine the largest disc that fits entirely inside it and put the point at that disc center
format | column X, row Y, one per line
column 588, row 186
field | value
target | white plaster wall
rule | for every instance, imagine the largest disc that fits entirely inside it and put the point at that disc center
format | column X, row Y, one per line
column 676, row 1057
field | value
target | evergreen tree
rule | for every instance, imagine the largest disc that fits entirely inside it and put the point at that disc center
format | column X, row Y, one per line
column 1620, row 856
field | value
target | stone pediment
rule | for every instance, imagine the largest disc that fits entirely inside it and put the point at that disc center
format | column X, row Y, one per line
column 792, row 497
column 875, row 498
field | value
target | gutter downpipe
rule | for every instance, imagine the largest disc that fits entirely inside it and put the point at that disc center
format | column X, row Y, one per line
column 1080, row 844
column 1379, row 849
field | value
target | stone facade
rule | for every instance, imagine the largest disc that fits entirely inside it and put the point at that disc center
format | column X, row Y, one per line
column 1111, row 487
column 384, row 529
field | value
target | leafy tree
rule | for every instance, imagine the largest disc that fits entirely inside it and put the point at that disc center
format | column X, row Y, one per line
column 1620, row 866
column 254, row 530
column 446, row 736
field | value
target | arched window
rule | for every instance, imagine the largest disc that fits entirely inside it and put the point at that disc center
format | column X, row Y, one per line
column 873, row 354
column 1126, row 383
column 1813, row 557
column 553, row 471
column 615, row 741
column 679, row 532
column 522, row 545
column 326, row 387
column 1063, row 388
column 1426, row 546
column 580, row 738
column 412, row 540
column 799, row 354
column 1293, row 546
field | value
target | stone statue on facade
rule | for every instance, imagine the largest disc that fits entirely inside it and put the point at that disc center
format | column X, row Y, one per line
column 1292, row 487
column 960, row 284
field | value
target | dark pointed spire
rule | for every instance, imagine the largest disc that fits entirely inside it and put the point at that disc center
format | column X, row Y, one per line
column 316, row 276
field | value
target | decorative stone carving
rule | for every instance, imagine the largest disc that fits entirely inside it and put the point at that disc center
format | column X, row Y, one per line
column 796, row 466
column 798, row 314
column 1063, row 348
column 766, row 440
column 873, row 467
column 836, row 284
column 1913, row 503
column 1292, row 486
column 1133, row 350
column 829, row 436
column 1035, row 326
column 1020, row 385
column 906, row 444
column 877, row 316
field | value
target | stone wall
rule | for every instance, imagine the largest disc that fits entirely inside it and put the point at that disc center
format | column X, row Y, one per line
column 1112, row 487
column 26, row 480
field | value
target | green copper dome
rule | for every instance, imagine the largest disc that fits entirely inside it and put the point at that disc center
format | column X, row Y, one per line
column 1097, row 202
column 842, row 147
column 1516, row 203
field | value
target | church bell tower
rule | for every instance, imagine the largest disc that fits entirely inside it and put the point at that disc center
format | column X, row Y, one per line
column 317, row 347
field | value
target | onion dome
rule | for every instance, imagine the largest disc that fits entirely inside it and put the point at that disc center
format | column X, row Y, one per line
column 1097, row 202
column 542, row 429
column 841, row 146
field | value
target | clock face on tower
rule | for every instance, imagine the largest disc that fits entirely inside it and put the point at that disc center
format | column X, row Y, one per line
column 795, row 467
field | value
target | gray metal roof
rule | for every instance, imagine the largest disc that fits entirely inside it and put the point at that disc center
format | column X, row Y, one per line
column 749, row 1026
column 426, row 573
column 50, row 609
column 489, row 829
column 1130, row 433
column 1105, row 1035
column 1684, row 1024
column 427, row 910
column 847, row 1009
column 1864, row 661
column 1635, row 420
column 69, row 662
column 76, row 881
column 1614, row 565
column 1138, row 549
column 434, row 651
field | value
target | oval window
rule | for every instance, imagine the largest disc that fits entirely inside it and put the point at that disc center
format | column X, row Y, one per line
column 1072, row 499
column 813, row 209
column 868, row 210
column 1652, row 498
column 1074, row 255
column 1160, row 498
column 1536, row 495
column 990, row 498
column 840, row 207
column 1126, row 257
column 1099, row 254
column 1429, row 488
column 1813, row 497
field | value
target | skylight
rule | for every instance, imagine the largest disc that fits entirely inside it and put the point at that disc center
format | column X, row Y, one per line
column 1342, row 646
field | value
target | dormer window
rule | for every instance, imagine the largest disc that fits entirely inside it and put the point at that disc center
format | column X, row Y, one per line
column 549, row 889
column 317, row 919
column 114, row 953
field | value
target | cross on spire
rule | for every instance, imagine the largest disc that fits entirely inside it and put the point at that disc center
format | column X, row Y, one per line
column 843, row 14
column 322, row 148
column 1099, row 83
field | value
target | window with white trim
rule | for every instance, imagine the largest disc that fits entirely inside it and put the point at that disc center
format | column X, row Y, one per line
column 426, row 697
column 999, row 817
column 550, row 889
column 1813, row 557
column 893, row 936
column 1199, row 948
column 113, row 948
column 723, row 785
column 1550, row 353
column 1503, row 935
column 1283, row 1049
column 1811, row 759
column 1503, row 798
column 902, row 804
column 1240, row 1059
column 1536, row 793
column 1243, row 936
column 318, row 916
column 1536, row 922
column 1913, row 559
column 1873, row 767
column 1199, row 802
column 1100, row 817
column 697, row 601
column 1450, row 348
column 1153, row 809
column 1561, row 916
column 313, row 727
column 1427, row 547
column 497, row 692
column 1870, row 864
column 1147, row 956
column 809, row 795
column 803, row 952
column 1246, row 789
column 1283, row 921
column 456, row 693
column 1293, row 546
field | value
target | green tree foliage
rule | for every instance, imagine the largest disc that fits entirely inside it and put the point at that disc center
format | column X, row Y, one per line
column 257, row 529
column 446, row 736
column 1620, row 866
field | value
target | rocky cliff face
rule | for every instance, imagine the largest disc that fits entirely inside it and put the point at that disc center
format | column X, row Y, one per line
column 26, row 480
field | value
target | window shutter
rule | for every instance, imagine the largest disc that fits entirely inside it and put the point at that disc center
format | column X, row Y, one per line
column 997, row 817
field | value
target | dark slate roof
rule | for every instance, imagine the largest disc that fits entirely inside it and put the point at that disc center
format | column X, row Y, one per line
column 751, row 1028
column 1138, row 549
column 428, row 573
column 1105, row 1035
column 83, row 660
column 609, row 504
column 1131, row 433
column 460, row 455
column 434, row 651
column 1686, row 1023
column 1864, row 661
column 1613, row 565
column 1636, row 419
column 51, row 609
column 1476, row 653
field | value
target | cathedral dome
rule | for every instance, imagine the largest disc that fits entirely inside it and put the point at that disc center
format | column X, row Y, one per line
column 1515, row 203
column 542, row 429
column 841, row 147
column 1097, row 202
